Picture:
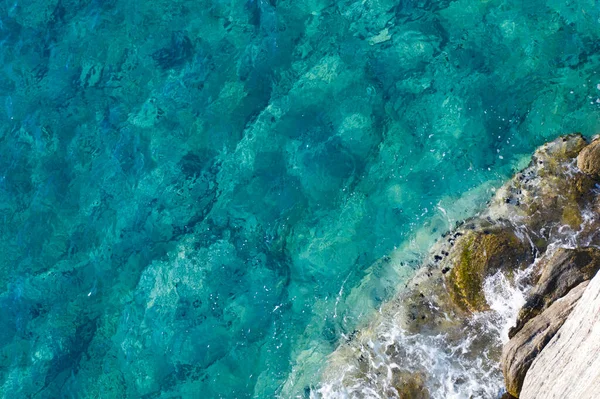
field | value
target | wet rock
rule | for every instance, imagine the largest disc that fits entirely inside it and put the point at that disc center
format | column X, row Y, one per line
column 521, row 350
column 588, row 159
column 560, row 272
column 549, row 193
column 569, row 365
column 411, row 386
column 449, row 286
column 427, row 307
column 479, row 254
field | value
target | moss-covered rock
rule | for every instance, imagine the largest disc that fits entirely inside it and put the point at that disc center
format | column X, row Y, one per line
column 588, row 159
column 478, row 255
column 551, row 157
column 571, row 216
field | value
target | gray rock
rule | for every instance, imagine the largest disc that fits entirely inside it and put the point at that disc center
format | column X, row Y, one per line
column 569, row 366
column 560, row 272
column 521, row 350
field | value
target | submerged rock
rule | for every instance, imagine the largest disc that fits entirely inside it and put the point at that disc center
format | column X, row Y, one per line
column 522, row 349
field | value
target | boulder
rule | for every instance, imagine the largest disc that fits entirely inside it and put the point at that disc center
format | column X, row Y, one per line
column 588, row 160
column 411, row 386
column 450, row 285
column 521, row 350
column 569, row 365
column 479, row 254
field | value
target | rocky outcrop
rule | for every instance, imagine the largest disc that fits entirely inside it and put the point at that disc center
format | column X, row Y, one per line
column 549, row 193
column 546, row 208
column 560, row 272
column 522, row 349
column 440, row 296
column 569, row 366
column 559, row 281
column 479, row 254
column 561, row 275
column 588, row 160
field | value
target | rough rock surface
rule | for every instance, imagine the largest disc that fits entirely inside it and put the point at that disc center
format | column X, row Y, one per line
column 480, row 254
column 411, row 386
column 589, row 158
column 549, row 193
column 569, row 366
column 522, row 349
column 560, row 272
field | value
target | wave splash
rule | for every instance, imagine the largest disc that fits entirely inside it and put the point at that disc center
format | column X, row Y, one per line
column 446, row 365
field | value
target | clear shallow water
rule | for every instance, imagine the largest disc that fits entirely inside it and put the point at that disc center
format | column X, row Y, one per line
column 202, row 198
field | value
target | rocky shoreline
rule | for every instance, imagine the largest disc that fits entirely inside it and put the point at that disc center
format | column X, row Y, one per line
column 537, row 343
column 539, row 236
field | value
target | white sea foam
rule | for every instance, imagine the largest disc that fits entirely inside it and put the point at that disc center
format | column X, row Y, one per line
column 463, row 366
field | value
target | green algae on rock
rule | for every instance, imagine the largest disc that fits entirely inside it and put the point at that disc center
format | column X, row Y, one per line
column 412, row 386
column 479, row 255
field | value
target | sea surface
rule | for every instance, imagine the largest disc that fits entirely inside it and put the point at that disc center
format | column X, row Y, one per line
column 202, row 199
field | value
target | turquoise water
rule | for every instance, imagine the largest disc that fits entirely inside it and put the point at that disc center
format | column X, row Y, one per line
column 202, row 199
